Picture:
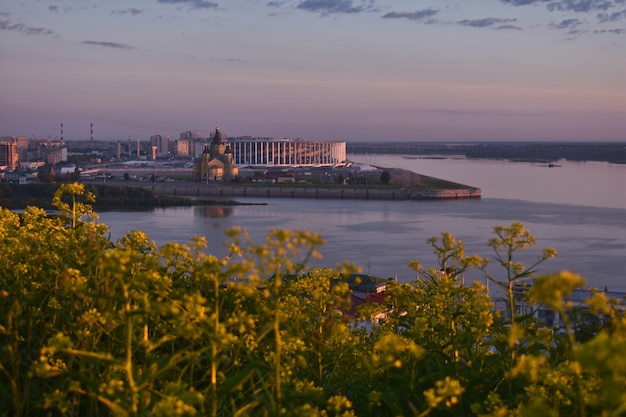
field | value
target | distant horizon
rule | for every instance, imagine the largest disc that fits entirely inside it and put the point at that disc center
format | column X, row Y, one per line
column 146, row 138
column 350, row 70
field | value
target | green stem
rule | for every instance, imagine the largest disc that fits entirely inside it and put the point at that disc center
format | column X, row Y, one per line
column 278, row 347
column 214, row 349
column 128, row 363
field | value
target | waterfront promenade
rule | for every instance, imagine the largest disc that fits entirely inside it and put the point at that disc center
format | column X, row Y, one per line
column 403, row 185
column 190, row 189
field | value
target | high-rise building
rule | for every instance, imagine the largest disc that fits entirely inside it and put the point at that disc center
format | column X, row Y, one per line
column 185, row 144
column 9, row 154
column 23, row 142
column 161, row 142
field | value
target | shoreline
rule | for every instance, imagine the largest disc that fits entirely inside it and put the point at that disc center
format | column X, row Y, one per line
column 277, row 191
column 406, row 185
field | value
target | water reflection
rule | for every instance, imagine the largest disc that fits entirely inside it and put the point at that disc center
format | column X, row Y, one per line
column 214, row 212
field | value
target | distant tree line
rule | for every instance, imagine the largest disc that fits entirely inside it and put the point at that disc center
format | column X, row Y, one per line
column 536, row 152
column 19, row 196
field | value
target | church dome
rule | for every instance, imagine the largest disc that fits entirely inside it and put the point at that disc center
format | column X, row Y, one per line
column 217, row 138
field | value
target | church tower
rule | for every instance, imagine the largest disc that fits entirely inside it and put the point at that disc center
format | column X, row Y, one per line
column 217, row 145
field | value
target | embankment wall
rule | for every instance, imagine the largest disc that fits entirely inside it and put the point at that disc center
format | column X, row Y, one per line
column 276, row 191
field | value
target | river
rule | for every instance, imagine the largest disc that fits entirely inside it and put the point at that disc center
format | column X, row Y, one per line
column 579, row 209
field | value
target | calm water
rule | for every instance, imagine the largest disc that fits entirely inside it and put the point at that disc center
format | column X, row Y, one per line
column 597, row 184
column 586, row 228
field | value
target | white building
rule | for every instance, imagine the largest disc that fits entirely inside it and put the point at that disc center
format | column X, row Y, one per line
column 577, row 307
column 286, row 152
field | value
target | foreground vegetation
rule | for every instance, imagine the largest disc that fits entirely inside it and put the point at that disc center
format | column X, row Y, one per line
column 93, row 327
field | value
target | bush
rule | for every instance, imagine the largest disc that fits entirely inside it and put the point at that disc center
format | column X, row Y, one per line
column 93, row 327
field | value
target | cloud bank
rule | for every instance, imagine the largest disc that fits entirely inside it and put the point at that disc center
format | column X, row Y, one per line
column 417, row 15
column 108, row 44
column 195, row 4
column 327, row 7
column 579, row 6
column 611, row 17
column 488, row 22
column 131, row 11
column 7, row 24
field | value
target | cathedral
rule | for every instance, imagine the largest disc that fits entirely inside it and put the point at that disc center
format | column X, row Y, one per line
column 216, row 162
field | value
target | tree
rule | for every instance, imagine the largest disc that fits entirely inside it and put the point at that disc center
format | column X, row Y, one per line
column 385, row 177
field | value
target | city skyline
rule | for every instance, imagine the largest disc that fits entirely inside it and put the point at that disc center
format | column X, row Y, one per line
column 495, row 70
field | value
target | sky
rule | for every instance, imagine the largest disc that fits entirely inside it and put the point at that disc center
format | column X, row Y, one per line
column 353, row 70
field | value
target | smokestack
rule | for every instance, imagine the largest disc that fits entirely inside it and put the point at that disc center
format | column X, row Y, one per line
column 92, row 131
column 61, row 132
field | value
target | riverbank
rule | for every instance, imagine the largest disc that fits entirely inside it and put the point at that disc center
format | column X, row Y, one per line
column 113, row 196
column 137, row 194
column 403, row 185
column 336, row 193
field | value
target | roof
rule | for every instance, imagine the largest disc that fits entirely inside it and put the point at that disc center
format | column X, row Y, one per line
column 378, row 298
